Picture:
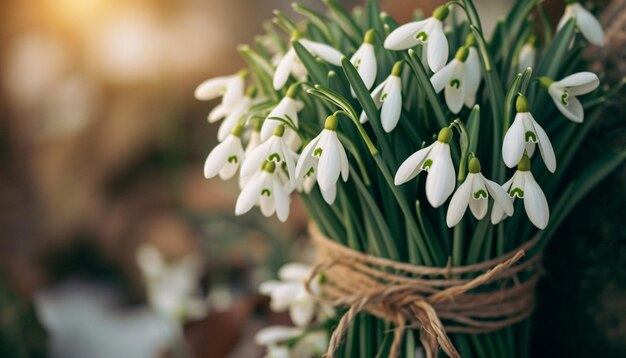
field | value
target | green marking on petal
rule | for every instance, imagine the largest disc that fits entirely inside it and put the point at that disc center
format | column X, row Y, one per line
column 384, row 97
column 531, row 137
column 422, row 36
column 516, row 192
column 564, row 97
column 309, row 173
column 233, row 159
column 318, row 152
column 266, row 192
column 427, row 164
column 357, row 63
column 274, row 157
column 480, row 194
column 455, row 83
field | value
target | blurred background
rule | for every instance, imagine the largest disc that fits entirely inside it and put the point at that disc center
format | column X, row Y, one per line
column 108, row 228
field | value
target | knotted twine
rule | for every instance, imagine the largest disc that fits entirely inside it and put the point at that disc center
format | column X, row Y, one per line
column 424, row 296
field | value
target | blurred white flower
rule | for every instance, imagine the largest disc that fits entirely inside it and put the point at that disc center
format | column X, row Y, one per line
column 266, row 189
column 387, row 96
column 230, row 88
column 226, row 157
column 172, row 287
column 428, row 32
column 527, row 55
column 436, row 160
column 290, row 294
column 523, row 185
column 564, row 93
column 475, row 192
column 327, row 158
column 585, row 21
column 524, row 131
column 292, row 342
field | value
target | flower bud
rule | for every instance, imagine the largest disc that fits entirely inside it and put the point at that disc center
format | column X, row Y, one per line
column 441, row 13
column 331, row 123
column 445, row 135
column 474, row 165
column 397, row 68
column 462, row 54
column 521, row 104
column 369, row 37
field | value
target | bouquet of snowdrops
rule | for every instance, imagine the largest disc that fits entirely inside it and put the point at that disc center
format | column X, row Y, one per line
column 364, row 118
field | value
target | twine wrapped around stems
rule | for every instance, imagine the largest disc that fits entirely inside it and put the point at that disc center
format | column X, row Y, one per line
column 425, row 296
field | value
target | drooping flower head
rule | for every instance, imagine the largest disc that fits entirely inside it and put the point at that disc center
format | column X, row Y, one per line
column 275, row 149
column 457, row 81
column 290, row 63
column 475, row 192
column 364, row 60
column 427, row 32
column 388, row 96
column 267, row 190
column 226, row 157
column 527, row 54
column 473, row 72
column 564, row 93
column 436, row 160
column 286, row 109
column 524, row 131
column 523, row 186
column 585, row 22
column 235, row 114
column 326, row 158
column 231, row 88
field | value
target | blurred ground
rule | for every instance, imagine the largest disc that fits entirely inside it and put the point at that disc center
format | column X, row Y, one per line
column 101, row 149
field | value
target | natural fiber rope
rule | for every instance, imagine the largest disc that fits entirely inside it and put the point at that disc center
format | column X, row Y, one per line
column 424, row 296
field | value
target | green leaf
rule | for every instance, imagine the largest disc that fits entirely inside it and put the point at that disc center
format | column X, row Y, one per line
column 316, row 70
column 473, row 128
column 318, row 20
column 347, row 24
column 373, row 16
column 415, row 63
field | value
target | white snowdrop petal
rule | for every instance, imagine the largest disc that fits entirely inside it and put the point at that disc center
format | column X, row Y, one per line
column 573, row 110
column 473, row 75
column 324, row 51
column 227, row 125
column 330, row 194
column 281, row 75
column 479, row 207
column 248, row 196
column 294, row 271
column 255, row 159
column 437, row 48
column 545, row 146
column 441, row 177
column 217, row 158
column 267, row 203
column 306, row 158
column 526, row 58
column 228, row 171
column 535, row 202
column 442, row 77
column 368, row 67
column 329, row 166
column 218, row 112
column 588, row 25
column 211, row 88
column 392, row 105
column 282, row 202
column 403, row 37
column 411, row 166
column 514, row 142
column 458, row 203
column 345, row 164
column 579, row 83
column 234, row 91
column 499, row 195
column 455, row 89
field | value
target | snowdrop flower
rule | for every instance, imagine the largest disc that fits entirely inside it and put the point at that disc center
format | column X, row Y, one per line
column 388, row 95
column 266, row 190
column 523, row 131
column 436, row 160
column 327, row 158
column 475, row 192
column 527, row 54
column 235, row 114
column 226, row 157
column 274, row 149
column 364, row 60
column 290, row 63
column 473, row 72
column 523, row 185
column 455, row 77
column 172, row 287
column 231, row 88
column 428, row 32
column 280, row 342
column 289, row 293
column 288, row 107
column 564, row 93
column 585, row 21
